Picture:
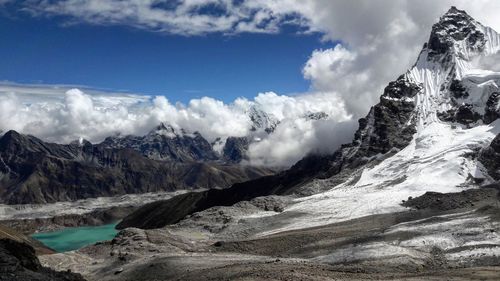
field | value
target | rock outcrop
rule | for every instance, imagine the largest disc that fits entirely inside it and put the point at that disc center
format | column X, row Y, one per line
column 235, row 149
column 18, row 262
column 490, row 158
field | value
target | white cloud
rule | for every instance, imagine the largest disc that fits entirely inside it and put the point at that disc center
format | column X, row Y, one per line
column 491, row 62
column 295, row 138
column 186, row 17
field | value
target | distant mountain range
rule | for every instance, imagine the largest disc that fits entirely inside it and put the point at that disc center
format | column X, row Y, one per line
column 164, row 143
column 34, row 171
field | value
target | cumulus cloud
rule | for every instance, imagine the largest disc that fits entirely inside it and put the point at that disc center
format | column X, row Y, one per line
column 295, row 138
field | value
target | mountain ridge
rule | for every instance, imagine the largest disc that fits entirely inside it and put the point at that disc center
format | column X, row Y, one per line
column 33, row 171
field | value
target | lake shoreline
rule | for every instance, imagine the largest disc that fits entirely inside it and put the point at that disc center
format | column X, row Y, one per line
column 32, row 218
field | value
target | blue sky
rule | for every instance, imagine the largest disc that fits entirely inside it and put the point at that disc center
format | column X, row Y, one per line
column 46, row 50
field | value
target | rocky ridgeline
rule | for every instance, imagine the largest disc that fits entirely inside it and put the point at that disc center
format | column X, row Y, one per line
column 165, row 144
column 34, row 171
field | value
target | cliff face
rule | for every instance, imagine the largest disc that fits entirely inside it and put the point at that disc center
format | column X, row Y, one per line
column 490, row 158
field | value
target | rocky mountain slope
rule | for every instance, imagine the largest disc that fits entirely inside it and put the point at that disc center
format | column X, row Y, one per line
column 18, row 262
column 33, row 171
column 415, row 140
column 11, row 234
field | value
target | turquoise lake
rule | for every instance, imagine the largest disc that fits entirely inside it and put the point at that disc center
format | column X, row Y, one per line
column 74, row 238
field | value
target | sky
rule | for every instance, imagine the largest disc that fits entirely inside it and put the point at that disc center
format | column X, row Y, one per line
column 43, row 50
column 89, row 68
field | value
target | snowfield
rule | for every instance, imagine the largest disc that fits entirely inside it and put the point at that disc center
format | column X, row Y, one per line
column 434, row 161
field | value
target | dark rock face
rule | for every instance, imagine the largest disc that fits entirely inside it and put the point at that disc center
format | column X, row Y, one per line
column 316, row 116
column 458, row 200
column 165, row 144
column 236, row 149
column 457, row 90
column 490, row 158
column 465, row 113
column 32, row 171
column 389, row 125
column 491, row 112
column 18, row 262
column 455, row 25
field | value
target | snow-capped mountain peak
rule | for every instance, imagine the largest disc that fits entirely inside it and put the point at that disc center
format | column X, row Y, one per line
column 261, row 120
column 457, row 33
column 166, row 143
column 453, row 86
column 425, row 133
column 164, row 130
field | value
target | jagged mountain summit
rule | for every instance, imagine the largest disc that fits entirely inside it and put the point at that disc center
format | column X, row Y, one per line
column 263, row 124
column 166, row 144
column 261, row 120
